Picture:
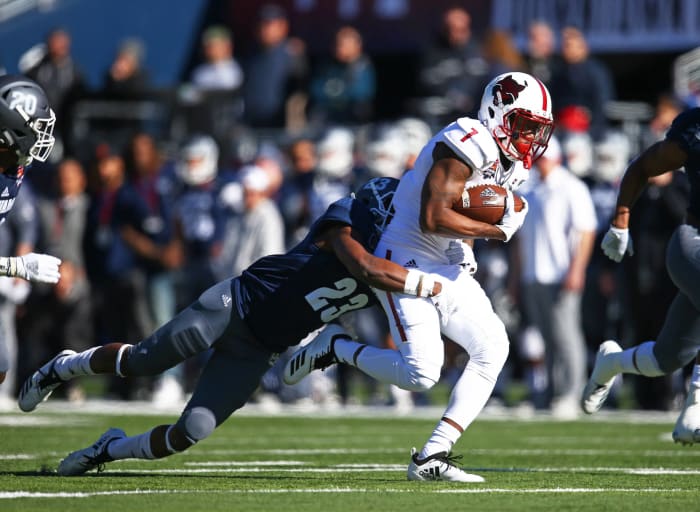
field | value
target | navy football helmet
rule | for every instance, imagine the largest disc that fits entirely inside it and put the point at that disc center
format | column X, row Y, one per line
column 26, row 119
column 377, row 194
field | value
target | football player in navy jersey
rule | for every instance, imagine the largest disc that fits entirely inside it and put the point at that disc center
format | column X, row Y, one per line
column 26, row 133
column 247, row 321
column 679, row 339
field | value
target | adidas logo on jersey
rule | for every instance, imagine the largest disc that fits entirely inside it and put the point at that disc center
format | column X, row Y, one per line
column 226, row 300
column 411, row 264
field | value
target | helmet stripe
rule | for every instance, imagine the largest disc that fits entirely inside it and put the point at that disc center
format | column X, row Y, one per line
column 544, row 94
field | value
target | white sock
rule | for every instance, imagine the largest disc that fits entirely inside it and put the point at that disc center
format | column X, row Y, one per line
column 384, row 364
column 131, row 447
column 639, row 360
column 73, row 366
column 469, row 396
column 442, row 439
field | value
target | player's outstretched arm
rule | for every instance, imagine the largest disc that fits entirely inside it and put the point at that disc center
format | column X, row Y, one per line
column 41, row 268
column 657, row 159
column 378, row 272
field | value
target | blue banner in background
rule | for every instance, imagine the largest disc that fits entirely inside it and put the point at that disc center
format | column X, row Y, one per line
column 609, row 25
column 167, row 28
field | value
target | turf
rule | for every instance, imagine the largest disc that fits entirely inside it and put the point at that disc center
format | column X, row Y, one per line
column 352, row 461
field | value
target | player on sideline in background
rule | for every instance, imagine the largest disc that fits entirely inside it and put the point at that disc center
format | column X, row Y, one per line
column 247, row 321
column 679, row 339
column 513, row 129
column 26, row 133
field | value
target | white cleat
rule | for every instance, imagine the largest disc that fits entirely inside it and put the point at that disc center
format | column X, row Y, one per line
column 439, row 466
column 39, row 386
column 317, row 355
column 95, row 456
column 687, row 429
column 602, row 377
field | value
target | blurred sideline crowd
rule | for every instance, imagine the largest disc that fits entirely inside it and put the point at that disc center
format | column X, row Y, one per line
column 152, row 197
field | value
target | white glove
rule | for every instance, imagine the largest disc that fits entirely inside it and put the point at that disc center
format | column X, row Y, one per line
column 41, row 268
column 460, row 253
column 616, row 243
column 512, row 220
column 446, row 304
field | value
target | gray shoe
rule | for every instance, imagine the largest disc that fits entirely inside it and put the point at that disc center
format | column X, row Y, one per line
column 94, row 456
column 39, row 386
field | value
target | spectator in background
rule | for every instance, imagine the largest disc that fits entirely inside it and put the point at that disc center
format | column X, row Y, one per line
column 115, row 244
column 219, row 71
column 294, row 201
column 501, row 54
column 255, row 232
column 18, row 236
column 554, row 247
column 275, row 72
column 541, row 59
column 453, row 69
column 583, row 85
column 200, row 214
column 126, row 78
column 343, row 89
column 152, row 179
column 60, row 76
column 61, row 317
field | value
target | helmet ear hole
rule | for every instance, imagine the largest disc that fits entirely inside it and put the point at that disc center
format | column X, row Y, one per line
column 492, row 114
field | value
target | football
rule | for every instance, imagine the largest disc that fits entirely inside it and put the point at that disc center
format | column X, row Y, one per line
column 485, row 203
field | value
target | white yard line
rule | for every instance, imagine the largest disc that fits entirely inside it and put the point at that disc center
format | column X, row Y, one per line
column 333, row 490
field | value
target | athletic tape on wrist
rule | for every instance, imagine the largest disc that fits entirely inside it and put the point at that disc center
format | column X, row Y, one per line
column 419, row 284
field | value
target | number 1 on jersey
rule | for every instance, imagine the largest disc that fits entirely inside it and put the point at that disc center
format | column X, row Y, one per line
column 469, row 135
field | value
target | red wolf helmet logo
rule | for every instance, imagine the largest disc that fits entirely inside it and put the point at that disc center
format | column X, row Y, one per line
column 506, row 91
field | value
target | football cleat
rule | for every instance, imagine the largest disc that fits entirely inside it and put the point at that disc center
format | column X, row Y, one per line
column 687, row 429
column 317, row 355
column 439, row 466
column 595, row 393
column 94, row 456
column 39, row 386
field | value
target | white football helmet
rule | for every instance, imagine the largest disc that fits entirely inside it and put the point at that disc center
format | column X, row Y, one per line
column 198, row 161
column 386, row 152
column 517, row 110
column 335, row 153
column 611, row 157
column 578, row 153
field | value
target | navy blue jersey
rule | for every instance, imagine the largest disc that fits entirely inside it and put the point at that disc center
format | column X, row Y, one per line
column 10, row 181
column 284, row 297
column 686, row 131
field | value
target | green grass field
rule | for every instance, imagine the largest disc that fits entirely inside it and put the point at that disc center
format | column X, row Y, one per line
column 352, row 461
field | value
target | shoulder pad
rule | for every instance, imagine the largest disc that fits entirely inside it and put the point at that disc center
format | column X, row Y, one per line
column 471, row 141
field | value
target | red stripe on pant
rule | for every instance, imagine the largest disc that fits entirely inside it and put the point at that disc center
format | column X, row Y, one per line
column 392, row 306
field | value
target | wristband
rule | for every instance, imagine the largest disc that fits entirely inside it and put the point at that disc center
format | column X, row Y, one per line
column 8, row 266
column 419, row 284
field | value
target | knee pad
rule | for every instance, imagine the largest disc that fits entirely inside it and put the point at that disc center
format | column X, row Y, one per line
column 197, row 423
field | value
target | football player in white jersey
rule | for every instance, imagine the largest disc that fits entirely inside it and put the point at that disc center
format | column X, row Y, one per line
column 513, row 129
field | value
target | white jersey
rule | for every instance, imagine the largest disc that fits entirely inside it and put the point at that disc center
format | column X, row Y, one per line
column 473, row 143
